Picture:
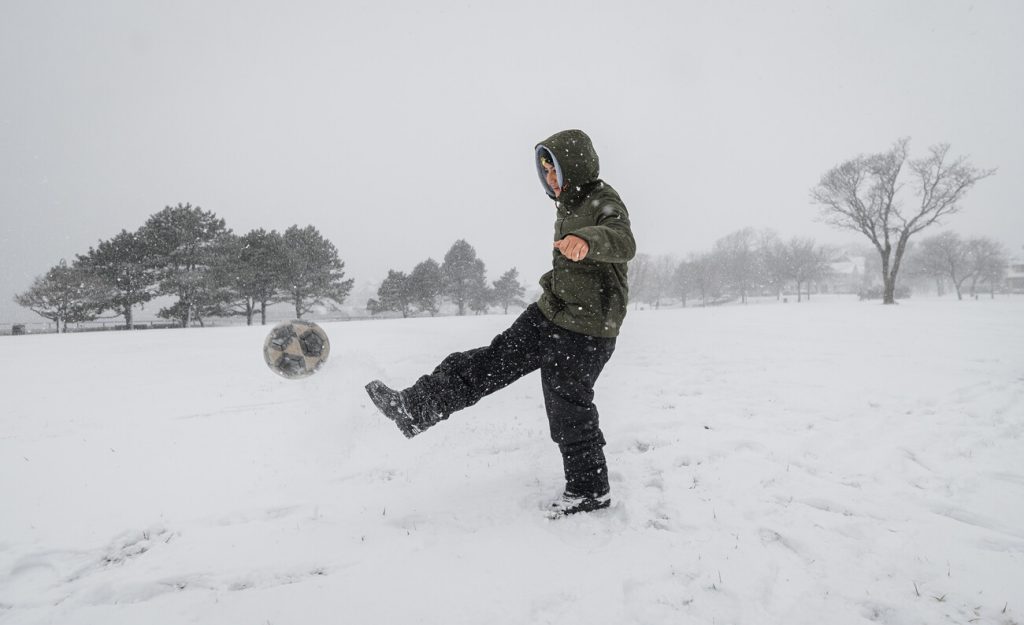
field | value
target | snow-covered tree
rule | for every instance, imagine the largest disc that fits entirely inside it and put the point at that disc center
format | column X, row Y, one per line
column 248, row 270
column 508, row 291
column 179, row 241
column 65, row 295
column 124, row 262
column 462, row 274
column 481, row 295
column 425, row 286
column 395, row 294
column 312, row 274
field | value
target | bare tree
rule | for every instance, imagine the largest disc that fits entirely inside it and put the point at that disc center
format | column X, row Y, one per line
column 863, row 194
column 684, row 279
column 707, row 277
column 775, row 261
column 741, row 264
column 803, row 264
column 987, row 261
column 945, row 255
column 658, row 274
column 640, row 276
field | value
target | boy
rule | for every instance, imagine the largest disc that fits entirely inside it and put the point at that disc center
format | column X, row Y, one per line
column 569, row 333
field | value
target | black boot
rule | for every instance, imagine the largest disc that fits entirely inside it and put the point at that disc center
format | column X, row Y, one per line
column 571, row 503
column 395, row 406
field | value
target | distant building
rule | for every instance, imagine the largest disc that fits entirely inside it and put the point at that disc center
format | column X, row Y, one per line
column 846, row 275
column 1015, row 275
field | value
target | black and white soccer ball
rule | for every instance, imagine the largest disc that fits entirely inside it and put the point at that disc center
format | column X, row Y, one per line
column 296, row 349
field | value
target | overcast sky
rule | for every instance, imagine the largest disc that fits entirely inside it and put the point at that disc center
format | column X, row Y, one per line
column 398, row 127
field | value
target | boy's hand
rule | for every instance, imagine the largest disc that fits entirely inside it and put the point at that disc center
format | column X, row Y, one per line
column 573, row 247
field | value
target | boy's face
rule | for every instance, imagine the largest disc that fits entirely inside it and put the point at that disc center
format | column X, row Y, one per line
column 551, row 177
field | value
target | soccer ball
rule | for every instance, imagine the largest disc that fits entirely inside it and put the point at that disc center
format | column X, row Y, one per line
column 296, row 349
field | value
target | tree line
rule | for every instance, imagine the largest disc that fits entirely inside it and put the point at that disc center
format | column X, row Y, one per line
column 759, row 262
column 743, row 263
column 189, row 254
column 460, row 279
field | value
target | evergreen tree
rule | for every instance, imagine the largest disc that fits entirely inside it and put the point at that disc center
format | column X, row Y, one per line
column 123, row 262
column 216, row 294
column 425, row 286
column 65, row 295
column 481, row 295
column 312, row 274
column 395, row 294
column 462, row 274
column 248, row 270
column 508, row 291
column 179, row 240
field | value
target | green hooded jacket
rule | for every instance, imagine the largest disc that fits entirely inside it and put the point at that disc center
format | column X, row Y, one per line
column 588, row 296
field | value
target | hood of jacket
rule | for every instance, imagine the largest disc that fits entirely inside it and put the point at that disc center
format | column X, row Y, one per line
column 576, row 163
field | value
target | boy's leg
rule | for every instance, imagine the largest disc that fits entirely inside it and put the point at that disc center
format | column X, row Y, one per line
column 569, row 369
column 464, row 378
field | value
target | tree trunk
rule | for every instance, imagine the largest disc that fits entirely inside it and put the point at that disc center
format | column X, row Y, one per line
column 889, row 290
column 888, row 278
column 263, row 313
column 129, row 320
column 799, row 292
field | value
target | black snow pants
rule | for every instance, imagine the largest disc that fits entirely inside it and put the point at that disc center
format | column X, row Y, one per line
column 569, row 363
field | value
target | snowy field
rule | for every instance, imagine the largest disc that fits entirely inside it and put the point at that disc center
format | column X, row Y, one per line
column 830, row 462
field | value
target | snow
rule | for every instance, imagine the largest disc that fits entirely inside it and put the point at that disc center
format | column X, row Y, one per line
column 829, row 462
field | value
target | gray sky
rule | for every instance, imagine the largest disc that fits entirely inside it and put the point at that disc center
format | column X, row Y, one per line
column 398, row 127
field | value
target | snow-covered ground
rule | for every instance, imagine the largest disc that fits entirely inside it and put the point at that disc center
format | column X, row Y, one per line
column 830, row 462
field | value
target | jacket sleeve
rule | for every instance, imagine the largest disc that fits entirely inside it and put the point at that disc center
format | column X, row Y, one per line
column 610, row 239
